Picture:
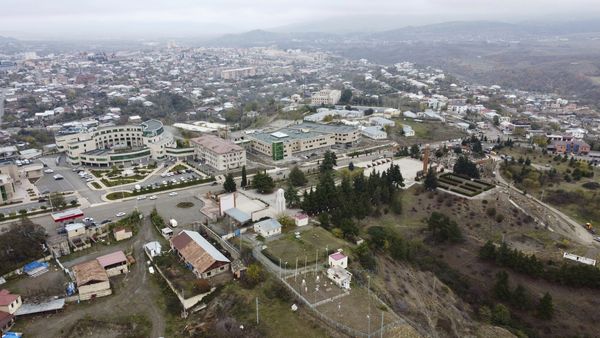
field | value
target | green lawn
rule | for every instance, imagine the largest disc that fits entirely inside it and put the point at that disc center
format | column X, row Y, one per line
column 288, row 247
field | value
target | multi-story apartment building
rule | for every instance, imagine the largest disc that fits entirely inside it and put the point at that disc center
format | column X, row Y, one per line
column 238, row 73
column 326, row 96
column 219, row 154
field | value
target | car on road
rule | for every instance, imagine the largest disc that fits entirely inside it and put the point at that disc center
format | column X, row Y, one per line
column 173, row 193
column 106, row 221
column 120, row 214
column 48, row 171
column 214, row 183
column 597, row 238
column 58, row 177
column 139, row 198
column 153, row 197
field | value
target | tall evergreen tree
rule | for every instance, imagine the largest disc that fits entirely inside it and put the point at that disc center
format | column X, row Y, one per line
column 430, row 182
column 545, row 309
column 229, row 184
column 244, row 181
column 329, row 161
column 297, row 177
column 501, row 287
column 520, row 298
column 291, row 196
column 263, row 183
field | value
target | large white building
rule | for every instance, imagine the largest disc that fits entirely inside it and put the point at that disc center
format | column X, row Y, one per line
column 303, row 137
column 110, row 145
column 218, row 153
column 238, row 73
column 326, row 96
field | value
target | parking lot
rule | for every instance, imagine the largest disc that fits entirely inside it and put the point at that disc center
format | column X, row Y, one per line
column 70, row 182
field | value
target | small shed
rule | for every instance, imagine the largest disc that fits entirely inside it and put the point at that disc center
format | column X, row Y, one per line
column 268, row 227
column 114, row 263
column 301, row 219
column 35, row 268
column 338, row 259
column 122, row 233
column 75, row 230
column 153, row 249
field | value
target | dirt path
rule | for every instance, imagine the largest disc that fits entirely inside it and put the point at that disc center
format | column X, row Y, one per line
column 551, row 217
column 132, row 294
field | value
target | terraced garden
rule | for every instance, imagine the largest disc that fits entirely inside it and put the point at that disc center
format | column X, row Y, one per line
column 463, row 185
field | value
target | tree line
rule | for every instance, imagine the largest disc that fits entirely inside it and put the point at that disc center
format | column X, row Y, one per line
column 574, row 275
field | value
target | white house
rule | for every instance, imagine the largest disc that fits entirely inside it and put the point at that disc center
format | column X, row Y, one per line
column 267, row 228
column 338, row 259
column 9, row 302
column 407, row 130
column 340, row 276
column 374, row 133
column 301, row 219
column 382, row 122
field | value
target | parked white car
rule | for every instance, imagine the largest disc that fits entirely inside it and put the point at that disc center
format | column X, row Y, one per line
column 153, row 197
column 173, row 193
column 48, row 171
column 120, row 214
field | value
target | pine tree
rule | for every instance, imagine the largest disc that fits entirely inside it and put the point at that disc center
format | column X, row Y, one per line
column 297, row 177
column 501, row 288
column 520, row 298
column 229, row 184
column 488, row 251
column 545, row 309
column 244, row 182
column 430, row 180
column 291, row 196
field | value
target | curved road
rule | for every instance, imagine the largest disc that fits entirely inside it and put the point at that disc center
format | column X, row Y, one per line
column 566, row 224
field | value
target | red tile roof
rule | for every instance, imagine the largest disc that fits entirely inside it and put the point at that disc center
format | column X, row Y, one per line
column 112, row 258
column 6, row 298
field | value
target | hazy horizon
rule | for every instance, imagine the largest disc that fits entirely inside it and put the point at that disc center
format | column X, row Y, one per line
column 70, row 19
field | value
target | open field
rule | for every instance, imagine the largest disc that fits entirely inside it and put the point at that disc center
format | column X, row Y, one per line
column 130, row 326
column 312, row 242
column 426, row 131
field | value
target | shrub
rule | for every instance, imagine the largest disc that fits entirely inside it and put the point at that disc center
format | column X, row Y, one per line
column 499, row 218
column 491, row 212
column 201, row 286
column 501, row 315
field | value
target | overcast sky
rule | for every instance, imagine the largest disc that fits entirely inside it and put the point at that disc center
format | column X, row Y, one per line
column 178, row 18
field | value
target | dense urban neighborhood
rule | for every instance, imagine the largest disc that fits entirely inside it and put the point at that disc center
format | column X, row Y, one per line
column 166, row 189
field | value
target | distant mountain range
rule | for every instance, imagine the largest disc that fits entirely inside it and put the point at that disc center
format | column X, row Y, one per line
column 449, row 31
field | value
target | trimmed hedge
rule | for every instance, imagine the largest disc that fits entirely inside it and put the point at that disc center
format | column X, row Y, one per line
column 118, row 195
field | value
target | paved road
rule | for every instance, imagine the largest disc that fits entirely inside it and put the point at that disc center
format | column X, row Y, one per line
column 165, row 204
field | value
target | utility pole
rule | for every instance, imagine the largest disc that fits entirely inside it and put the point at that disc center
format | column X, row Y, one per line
column 279, row 268
column 296, row 273
column 381, row 330
column 316, row 258
column 257, row 311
